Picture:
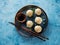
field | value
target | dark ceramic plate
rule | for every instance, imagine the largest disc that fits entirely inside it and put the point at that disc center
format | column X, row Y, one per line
column 43, row 16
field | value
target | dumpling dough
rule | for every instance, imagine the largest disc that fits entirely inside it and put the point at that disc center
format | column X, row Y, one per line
column 38, row 29
column 29, row 13
column 38, row 20
column 29, row 24
column 38, row 11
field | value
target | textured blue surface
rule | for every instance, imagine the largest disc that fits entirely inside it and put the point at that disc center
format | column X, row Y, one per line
column 8, row 33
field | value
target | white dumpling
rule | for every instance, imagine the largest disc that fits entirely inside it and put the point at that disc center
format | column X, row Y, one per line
column 29, row 13
column 29, row 24
column 38, row 20
column 38, row 29
column 38, row 11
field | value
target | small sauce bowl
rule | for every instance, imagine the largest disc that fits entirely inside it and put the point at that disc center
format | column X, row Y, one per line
column 20, row 17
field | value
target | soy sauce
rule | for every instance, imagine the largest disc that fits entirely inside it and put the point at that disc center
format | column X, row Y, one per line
column 21, row 17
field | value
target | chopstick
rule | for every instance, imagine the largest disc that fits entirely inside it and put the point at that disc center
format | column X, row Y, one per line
column 30, row 32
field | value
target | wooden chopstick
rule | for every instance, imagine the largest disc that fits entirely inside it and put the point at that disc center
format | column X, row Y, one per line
column 30, row 32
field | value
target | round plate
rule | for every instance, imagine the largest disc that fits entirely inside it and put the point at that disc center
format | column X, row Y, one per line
column 43, row 16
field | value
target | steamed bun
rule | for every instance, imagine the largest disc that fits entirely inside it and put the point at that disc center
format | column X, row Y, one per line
column 38, row 11
column 29, row 13
column 29, row 24
column 38, row 29
column 38, row 20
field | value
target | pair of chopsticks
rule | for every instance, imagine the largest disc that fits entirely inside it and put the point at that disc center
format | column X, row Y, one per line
column 31, row 32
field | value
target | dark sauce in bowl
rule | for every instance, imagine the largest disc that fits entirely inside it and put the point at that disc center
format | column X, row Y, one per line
column 21, row 17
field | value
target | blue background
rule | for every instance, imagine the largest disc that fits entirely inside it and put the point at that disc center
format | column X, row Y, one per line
column 8, row 33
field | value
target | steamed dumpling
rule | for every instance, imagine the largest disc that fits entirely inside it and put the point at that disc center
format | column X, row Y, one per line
column 29, row 13
column 38, row 20
column 38, row 11
column 29, row 24
column 38, row 29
